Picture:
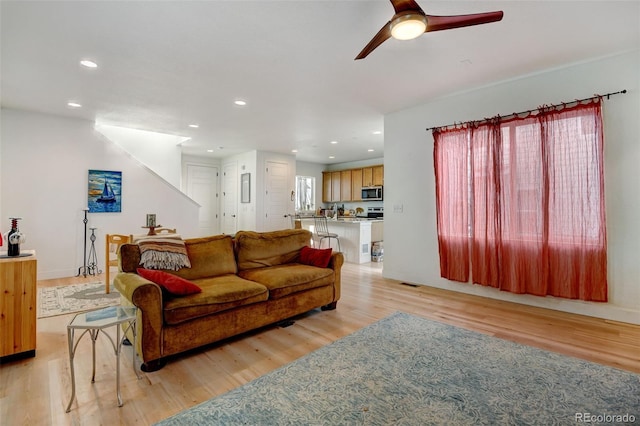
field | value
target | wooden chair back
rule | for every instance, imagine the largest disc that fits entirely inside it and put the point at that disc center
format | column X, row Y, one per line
column 113, row 244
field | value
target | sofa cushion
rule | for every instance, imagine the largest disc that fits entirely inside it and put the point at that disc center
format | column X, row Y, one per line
column 315, row 257
column 260, row 249
column 283, row 280
column 172, row 284
column 218, row 294
column 209, row 257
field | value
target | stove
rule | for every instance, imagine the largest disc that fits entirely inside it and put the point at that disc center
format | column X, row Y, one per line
column 373, row 213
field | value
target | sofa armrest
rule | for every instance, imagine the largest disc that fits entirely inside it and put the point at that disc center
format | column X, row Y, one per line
column 147, row 297
column 336, row 262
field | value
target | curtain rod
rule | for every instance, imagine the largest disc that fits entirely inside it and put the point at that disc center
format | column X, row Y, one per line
column 607, row 95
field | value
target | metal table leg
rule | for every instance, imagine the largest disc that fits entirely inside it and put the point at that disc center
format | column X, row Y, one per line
column 117, row 346
column 73, row 376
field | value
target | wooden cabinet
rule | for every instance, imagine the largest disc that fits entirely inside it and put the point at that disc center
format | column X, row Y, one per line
column 18, row 306
column 356, row 185
column 335, row 187
column 378, row 175
column 367, row 176
column 345, row 185
column 373, row 176
column 331, row 187
column 326, row 187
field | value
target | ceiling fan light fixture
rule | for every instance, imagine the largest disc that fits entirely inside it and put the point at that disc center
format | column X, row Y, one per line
column 408, row 26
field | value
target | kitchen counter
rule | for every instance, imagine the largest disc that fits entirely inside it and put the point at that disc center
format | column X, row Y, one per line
column 354, row 233
column 355, row 219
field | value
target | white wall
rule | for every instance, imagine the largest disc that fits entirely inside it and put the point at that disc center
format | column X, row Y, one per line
column 354, row 164
column 411, row 249
column 160, row 152
column 247, row 163
column 44, row 170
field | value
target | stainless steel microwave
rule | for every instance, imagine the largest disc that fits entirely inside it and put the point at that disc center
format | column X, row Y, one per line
column 372, row 193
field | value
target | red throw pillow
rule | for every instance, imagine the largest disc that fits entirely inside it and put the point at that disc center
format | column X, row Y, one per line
column 315, row 257
column 171, row 283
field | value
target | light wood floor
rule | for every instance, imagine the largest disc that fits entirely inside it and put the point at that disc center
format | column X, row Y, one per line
column 36, row 391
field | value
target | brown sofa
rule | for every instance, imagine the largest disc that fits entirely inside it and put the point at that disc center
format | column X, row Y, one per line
column 248, row 281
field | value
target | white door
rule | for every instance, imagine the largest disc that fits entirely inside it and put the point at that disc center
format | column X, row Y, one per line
column 278, row 197
column 202, row 187
column 230, row 198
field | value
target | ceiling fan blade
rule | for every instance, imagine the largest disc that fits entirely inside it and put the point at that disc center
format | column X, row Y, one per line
column 383, row 34
column 404, row 5
column 438, row 23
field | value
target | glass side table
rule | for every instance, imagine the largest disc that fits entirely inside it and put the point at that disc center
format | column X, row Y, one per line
column 93, row 322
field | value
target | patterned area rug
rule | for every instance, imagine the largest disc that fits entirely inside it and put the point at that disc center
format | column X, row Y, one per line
column 411, row 371
column 53, row 301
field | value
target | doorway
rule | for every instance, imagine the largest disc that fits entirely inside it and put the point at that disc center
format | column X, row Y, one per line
column 202, row 187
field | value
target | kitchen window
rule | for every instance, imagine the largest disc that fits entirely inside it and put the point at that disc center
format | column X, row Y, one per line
column 305, row 194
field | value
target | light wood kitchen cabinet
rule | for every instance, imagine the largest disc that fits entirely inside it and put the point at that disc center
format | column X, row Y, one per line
column 356, row 185
column 345, row 185
column 378, row 175
column 326, row 187
column 367, row 176
column 335, row 187
column 18, row 306
column 373, row 176
column 331, row 182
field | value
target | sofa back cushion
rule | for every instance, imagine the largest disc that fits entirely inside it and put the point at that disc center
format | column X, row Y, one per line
column 260, row 249
column 209, row 257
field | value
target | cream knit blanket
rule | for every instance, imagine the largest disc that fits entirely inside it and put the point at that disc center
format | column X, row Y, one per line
column 163, row 253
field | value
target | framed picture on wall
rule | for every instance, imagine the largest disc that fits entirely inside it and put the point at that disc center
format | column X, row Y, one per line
column 245, row 188
column 105, row 191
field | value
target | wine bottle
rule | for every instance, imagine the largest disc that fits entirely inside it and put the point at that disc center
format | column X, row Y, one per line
column 13, row 239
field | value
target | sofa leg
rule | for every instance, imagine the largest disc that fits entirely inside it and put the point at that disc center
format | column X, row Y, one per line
column 330, row 307
column 285, row 323
column 151, row 366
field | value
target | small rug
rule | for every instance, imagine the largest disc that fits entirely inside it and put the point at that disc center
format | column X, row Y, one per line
column 412, row 371
column 53, row 301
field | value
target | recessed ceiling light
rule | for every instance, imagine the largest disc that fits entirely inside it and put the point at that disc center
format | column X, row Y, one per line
column 377, row 132
column 72, row 104
column 195, row 126
column 332, row 156
column 89, row 64
column 209, row 150
column 294, row 150
column 240, row 102
column 370, row 150
column 333, row 142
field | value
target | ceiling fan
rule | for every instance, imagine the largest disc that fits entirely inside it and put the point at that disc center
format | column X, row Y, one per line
column 410, row 22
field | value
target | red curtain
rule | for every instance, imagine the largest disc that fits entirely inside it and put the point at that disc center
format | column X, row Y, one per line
column 536, row 195
column 452, row 198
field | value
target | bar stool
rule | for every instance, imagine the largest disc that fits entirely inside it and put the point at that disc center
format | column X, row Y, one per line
column 322, row 231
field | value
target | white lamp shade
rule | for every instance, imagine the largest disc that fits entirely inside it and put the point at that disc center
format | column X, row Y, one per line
column 408, row 27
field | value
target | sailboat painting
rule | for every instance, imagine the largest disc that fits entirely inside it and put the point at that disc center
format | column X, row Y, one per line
column 105, row 191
